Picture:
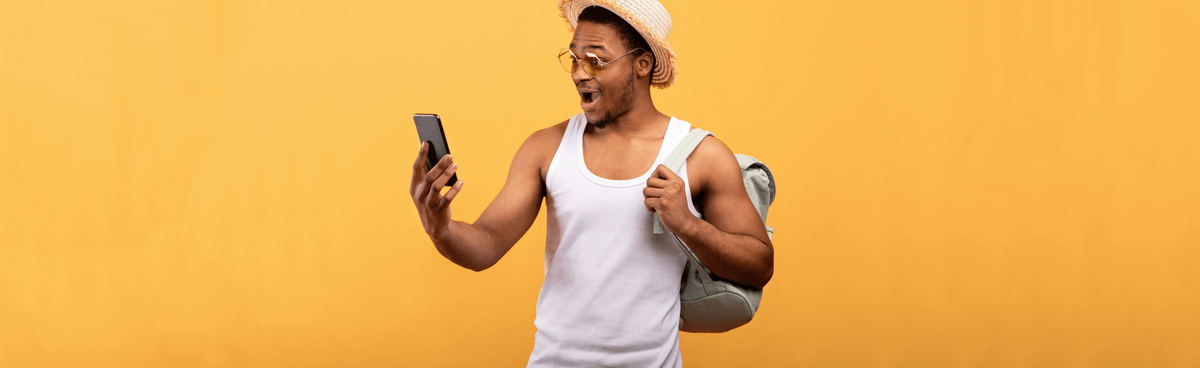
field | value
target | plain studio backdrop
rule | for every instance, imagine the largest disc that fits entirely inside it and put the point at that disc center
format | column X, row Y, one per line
column 220, row 183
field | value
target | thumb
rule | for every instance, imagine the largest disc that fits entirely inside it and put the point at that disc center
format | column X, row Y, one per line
column 665, row 173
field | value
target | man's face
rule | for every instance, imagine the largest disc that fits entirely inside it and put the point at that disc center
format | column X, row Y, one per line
column 610, row 94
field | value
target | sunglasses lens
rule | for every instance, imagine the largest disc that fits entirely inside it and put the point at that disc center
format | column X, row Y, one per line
column 567, row 61
column 591, row 65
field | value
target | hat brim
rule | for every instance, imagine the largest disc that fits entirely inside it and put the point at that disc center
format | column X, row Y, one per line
column 664, row 56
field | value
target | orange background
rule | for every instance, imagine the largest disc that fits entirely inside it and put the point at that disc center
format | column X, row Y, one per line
column 961, row 183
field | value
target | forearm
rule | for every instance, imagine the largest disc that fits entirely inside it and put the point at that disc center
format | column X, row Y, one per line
column 740, row 258
column 467, row 245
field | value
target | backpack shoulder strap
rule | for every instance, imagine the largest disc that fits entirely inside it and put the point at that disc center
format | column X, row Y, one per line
column 678, row 156
column 689, row 143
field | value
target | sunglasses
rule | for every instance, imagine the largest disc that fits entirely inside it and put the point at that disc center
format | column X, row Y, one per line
column 591, row 63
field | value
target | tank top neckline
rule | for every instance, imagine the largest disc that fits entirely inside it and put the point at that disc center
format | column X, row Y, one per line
column 663, row 151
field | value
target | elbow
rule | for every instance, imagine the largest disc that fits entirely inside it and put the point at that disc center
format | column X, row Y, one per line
column 755, row 276
column 765, row 277
column 766, row 270
column 760, row 277
column 466, row 262
column 477, row 266
column 479, row 261
column 755, row 271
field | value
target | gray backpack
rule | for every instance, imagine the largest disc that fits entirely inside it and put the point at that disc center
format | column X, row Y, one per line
column 708, row 303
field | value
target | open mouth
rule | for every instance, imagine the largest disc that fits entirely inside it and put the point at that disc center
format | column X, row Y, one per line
column 588, row 99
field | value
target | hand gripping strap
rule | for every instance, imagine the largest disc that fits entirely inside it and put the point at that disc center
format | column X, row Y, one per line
column 676, row 159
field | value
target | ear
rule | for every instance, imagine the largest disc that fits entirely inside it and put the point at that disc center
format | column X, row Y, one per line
column 644, row 64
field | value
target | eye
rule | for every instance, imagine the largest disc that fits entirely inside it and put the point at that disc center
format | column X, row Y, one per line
column 594, row 60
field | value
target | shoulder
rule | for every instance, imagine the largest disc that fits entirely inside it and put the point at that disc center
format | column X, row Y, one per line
column 713, row 162
column 545, row 140
column 539, row 149
column 551, row 135
column 712, row 151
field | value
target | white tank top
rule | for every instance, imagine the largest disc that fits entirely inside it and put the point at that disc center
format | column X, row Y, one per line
column 611, row 293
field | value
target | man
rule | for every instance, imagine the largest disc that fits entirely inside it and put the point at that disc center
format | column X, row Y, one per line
column 611, row 292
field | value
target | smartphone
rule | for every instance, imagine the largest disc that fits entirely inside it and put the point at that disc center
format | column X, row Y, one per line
column 429, row 129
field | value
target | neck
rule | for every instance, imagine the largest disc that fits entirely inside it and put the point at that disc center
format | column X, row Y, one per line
column 642, row 119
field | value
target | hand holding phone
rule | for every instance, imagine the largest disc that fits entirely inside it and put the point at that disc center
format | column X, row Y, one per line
column 433, row 170
column 429, row 129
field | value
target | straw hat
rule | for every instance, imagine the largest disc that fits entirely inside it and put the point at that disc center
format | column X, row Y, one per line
column 648, row 17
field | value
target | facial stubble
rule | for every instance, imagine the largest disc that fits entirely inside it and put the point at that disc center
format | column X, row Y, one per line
column 624, row 104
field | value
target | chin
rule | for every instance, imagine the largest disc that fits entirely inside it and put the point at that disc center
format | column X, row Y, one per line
column 597, row 119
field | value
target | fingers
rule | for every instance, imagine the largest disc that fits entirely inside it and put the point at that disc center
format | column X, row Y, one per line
column 660, row 187
column 662, row 176
column 450, row 194
column 419, row 165
column 418, row 168
column 663, row 172
column 652, row 204
column 433, row 197
column 437, row 170
column 443, row 179
column 651, row 192
column 655, row 182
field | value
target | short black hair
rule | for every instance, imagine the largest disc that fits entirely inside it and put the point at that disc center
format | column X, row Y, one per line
column 629, row 36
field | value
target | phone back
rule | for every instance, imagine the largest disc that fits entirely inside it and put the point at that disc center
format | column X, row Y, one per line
column 429, row 129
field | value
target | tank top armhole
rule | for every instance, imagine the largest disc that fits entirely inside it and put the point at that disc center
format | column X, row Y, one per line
column 558, row 153
column 688, row 184
column 684, row 174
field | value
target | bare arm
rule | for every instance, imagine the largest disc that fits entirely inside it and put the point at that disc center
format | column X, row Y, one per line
column 480, row 245
column 731, row 239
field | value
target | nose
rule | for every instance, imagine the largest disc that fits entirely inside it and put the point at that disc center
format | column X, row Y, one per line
column 579, row 74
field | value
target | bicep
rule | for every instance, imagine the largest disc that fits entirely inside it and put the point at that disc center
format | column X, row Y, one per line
column 725, row 203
